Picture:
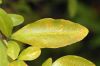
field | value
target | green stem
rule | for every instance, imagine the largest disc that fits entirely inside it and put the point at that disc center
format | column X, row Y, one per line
column 5, row 42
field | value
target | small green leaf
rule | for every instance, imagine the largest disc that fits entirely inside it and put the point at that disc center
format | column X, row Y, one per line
column 48, row 62
column 6, row 24
column 72, row 60
column 18, row 63
column 17, row 19
column 3, row 55
column 51, row 33
column 13, row 49
column 30, row 53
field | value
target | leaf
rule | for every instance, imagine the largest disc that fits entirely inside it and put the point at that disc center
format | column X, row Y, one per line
column 30, row 53
column 3, row 55
column 72, row 7
column 18, row 63
column 17, row 19
column 48, row 62
column 51, row 33
column 0, row 1
column 13, row 49
column 72, row 60
column 6, row 24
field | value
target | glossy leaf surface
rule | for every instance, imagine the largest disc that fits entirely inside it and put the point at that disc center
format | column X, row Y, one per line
column 72, row 60
column 30, row 53
column 51, row 33
column 13, row 49
column 3, row 55
column 6, row 24
column 18, row 63
column 17, row 19
column 48, row 62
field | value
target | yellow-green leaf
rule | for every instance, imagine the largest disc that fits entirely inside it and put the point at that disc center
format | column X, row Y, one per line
column 18, row 63
column 13, row 49
column 3, row 55
column 72, row 60
column 17, row 19
column 51, row 33
column 30, row 53
column 48, row 62
column 6, row 24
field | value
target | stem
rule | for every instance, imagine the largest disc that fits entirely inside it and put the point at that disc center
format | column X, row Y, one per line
column 5, row 42
column 0, row 36
column 3, row 39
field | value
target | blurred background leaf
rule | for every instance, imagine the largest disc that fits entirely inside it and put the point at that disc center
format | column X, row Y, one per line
column 0, row 1
column 72, row 7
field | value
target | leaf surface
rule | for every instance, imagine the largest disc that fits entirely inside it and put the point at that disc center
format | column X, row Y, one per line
column 6, row 24
column 3, row 55
column 72, row 60
column 51, row 33
column 30, row 53
column 17, row 19
column 13, row 49
column 18, row 63
column 48, row 62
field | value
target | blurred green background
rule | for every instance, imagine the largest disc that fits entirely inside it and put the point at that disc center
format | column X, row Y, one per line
column 85, row 12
